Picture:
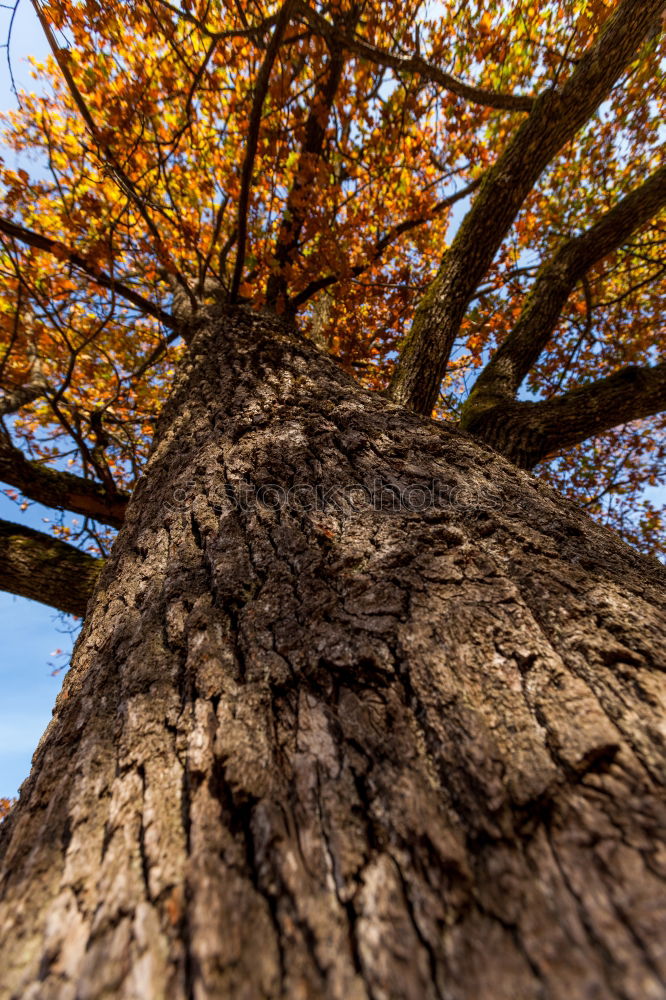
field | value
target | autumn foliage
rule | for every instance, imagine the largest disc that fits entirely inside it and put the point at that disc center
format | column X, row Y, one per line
column 171, row 152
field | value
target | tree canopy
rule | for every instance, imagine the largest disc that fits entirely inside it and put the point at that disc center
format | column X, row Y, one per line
column 461, row 202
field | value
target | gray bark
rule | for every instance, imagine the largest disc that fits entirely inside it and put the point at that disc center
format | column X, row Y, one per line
column 346, row 753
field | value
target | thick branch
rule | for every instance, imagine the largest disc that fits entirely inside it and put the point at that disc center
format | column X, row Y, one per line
column 412, row 65
column 554, row 283
column 45, row 569
column 63, row 253
column 526, row 433
column 260, row 91
column 556, row 117
column 60, row 490
column 23, row 396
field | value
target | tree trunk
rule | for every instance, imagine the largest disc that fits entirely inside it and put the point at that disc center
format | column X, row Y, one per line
column 359, row 710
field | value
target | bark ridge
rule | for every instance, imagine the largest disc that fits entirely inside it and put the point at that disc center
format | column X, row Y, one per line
column 353, row 753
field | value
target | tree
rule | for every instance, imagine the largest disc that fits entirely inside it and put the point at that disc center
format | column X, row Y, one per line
column 361, row 707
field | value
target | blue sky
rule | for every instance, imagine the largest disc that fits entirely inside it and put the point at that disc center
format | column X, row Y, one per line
column 28, row 689
column 30, row 631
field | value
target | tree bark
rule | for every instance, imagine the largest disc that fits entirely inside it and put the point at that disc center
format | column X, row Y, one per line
column 59, row 489
column 526, row 432
column 501, row 378
column 46, row 569
column 399, row 739
column 555, row 118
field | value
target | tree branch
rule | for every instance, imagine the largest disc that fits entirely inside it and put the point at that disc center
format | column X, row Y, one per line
column 45, row 569
column 412, row 65
column 126, row 183
column 254, row 33
column 386, row 240
column 554, row 283
column 526, row 433
column 260, row 91
column 60, row 490
column 63, row 253
column 556, row 117
column 295, row 213
column 25, row 394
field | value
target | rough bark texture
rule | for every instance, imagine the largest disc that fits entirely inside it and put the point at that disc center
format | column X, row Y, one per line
column 394, row 754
